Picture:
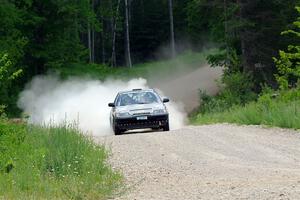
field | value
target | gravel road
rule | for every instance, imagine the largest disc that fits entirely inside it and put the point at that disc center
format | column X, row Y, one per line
column 209, row 162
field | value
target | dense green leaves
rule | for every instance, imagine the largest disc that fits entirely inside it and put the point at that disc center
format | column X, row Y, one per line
column 288, row 63
column 12, row 39
column 44, row 35
column 8, row 73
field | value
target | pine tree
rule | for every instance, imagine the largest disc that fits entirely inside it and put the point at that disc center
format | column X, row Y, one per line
column 288, row 63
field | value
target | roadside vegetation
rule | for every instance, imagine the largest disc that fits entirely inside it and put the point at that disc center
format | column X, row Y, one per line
column 49, row 162
column 52, row 163
column 237, row 103
column 273, row 108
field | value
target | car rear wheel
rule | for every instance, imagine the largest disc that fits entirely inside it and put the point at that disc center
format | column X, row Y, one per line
column 166, row 127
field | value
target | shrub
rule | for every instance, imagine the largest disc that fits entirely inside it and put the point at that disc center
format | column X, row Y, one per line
column 236, row 90
column 8, row 73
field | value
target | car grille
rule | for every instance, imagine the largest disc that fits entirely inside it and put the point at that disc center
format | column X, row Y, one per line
column 133, row 123
column 143, row 113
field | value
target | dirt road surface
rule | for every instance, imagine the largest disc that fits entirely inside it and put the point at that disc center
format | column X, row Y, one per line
column 208, row 162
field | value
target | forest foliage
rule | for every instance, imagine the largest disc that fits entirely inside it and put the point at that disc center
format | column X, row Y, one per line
column 39, row 36
column 273, row 107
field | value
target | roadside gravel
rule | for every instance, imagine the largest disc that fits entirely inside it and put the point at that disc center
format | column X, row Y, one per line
column 208, row 162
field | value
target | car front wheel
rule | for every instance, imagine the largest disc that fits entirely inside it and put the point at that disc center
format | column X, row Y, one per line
column 118, row 131
column 166, row 127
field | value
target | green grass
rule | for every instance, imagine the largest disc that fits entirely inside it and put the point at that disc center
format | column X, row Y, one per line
column 282, row 111
column 53, row 163
column 158, row 69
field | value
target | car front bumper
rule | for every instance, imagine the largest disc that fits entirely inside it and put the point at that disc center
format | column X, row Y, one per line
column 152, row 121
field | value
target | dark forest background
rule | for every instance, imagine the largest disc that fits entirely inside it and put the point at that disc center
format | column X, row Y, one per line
column 38, row 36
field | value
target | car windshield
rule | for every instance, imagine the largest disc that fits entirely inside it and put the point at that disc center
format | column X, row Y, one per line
column 137, row 98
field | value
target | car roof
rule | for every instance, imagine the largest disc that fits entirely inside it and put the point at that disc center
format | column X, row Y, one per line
column 137, row 90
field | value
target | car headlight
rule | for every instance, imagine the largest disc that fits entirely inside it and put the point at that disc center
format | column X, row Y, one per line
column 159, row 111
column 123, row 114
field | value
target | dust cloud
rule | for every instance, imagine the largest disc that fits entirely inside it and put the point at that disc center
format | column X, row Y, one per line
column 184, row 87
column 50, row 101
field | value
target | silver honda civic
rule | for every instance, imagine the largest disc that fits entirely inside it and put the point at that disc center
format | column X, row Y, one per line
column 138, row 109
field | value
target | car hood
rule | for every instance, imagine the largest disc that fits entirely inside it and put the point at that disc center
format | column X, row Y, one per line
column 140, row 108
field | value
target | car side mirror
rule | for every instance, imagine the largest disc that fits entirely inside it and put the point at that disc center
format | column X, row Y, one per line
column 166, row 100
column 112, row 105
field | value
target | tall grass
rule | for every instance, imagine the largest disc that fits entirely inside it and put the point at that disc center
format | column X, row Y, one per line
column 282, row 111
column 52, row 163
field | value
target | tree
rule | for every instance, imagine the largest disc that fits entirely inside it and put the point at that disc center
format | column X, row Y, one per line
column 128, row 51
column 288, row 63
column 249, row 29
column 13, row 40
column 172, row 34
column 92, row 25
column 114, row 32
column 7, row 74
column 149, row 29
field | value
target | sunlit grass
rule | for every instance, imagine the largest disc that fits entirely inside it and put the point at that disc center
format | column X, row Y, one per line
column 279, row 114
column 53, row 163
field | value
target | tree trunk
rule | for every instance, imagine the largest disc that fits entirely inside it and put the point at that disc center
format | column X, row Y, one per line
column 129, row 10
column 226, row 31
column 93, row 37
column 113, row 40
column 93, row 46
column 114, row 29
column 243, row 37
column 89, row 43
column 143, row 8
column 128, row 53
column 103, row 43
column 172, row 34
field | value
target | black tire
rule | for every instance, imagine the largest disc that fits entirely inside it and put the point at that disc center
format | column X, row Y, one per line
column 166, row 127
column 118, row 131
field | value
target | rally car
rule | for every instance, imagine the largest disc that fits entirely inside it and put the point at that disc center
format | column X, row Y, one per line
column 139, row 109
